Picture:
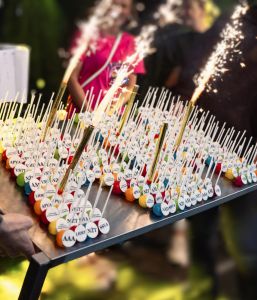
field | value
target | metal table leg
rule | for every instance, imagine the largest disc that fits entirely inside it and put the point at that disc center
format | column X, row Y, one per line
column 35, row 277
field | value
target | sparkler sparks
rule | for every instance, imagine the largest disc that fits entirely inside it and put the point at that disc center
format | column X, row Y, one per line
column 90, row 29
column 225, row 50
column 169, row 12
column 143, row 44
column 104, row 14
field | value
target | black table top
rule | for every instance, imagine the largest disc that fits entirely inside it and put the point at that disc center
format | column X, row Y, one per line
column 127, row 220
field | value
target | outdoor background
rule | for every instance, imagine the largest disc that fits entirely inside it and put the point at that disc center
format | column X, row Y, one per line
column 46, row 26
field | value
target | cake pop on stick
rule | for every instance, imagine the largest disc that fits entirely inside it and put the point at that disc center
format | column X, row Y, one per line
column 3, row 104
column 247, row 147
column 3, row 108
column 11, row 105
column 253, row 157
column 107, row 201
column 96, row 213
column 3, row 117
column 217, row 188
column 91, row 227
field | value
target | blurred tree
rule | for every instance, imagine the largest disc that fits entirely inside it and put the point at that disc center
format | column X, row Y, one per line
column 38, row 24
column 72, row 12
column 225, row 4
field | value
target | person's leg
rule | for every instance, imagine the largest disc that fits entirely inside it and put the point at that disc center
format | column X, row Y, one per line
column 178, row 251
column 203, row 246
column 239, row 226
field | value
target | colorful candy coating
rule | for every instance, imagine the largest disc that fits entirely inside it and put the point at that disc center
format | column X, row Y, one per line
column 129, row 195
column 20, row 180
column 32, row 198
column 7, row 164
column 116, row 188
column 157, row 210
column 59, row 238
column 4, row 157
column 142, row 201
column 238, row 181
column 37, row 208
column 229, row 174
column 27, row 188
column 218, row 168
column 43, row 218
column 1, row 148
column 52, row 228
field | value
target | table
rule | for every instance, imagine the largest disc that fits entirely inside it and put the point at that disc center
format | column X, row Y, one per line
column 126, row 220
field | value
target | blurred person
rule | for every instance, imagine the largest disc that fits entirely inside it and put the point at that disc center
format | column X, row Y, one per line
column 175, row 63
column 174, row 39
column 200, row 14
column 174, row 42
column 14, row 237
column 236, row 105
column 112, row 37
column 199, row 17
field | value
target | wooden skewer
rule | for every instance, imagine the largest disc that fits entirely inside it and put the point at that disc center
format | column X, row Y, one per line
column 54, row 109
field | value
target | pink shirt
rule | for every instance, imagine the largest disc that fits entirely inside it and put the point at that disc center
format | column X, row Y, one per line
column 95, row 61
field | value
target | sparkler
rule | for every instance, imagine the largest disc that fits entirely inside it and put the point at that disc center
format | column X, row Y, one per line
column 128, row 108
column 226, row 49
column 89, row 34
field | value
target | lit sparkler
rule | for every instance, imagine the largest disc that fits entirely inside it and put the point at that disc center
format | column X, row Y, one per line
column 143, row 46
column 225, row 50
column 89, row 34
column 143, row 42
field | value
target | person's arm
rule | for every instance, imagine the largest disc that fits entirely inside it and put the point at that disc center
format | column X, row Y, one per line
column 173, row 78
column 76, row 91
column 14, row 237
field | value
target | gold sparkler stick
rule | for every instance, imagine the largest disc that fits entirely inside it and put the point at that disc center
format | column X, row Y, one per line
column 72, row 65
column 87, row 134
column 98, row 115
column 159, row 147
column 128, row 108
column 185, row 120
